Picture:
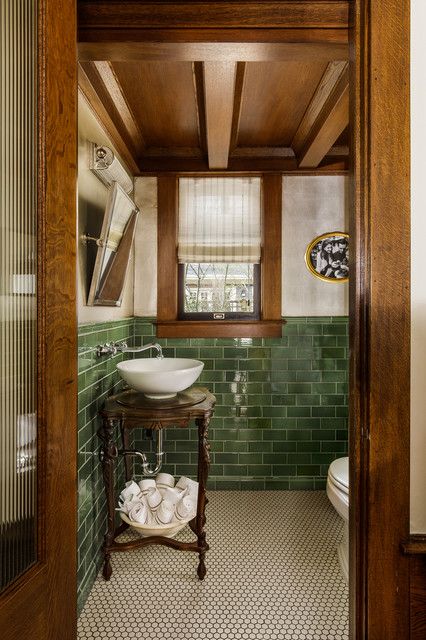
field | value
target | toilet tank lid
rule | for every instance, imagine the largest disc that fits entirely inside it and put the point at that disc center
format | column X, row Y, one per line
column 339, row 470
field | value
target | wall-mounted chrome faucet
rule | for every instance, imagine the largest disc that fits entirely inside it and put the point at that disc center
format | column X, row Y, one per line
column 112, row 348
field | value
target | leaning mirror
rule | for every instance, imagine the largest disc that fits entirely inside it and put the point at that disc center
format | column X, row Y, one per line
column 114, row 247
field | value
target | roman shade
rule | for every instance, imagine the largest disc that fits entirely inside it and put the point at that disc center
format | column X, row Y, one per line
column 219, row 220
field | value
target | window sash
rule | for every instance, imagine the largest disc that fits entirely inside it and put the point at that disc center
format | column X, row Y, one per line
column 217, row 315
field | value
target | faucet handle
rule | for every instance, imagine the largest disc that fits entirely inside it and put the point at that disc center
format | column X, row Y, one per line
column 120, row 346
column 107, row 349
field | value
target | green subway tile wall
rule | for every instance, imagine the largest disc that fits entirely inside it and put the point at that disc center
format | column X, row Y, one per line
column 280, row 419
column 281, row 412
column 97, row 379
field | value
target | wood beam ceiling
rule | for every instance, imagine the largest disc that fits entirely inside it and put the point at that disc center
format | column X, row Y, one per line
column 326, row 117
column 219, row 88
column 221, row 36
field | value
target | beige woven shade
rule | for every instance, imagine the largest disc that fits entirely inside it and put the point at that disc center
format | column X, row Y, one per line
column 219, row 220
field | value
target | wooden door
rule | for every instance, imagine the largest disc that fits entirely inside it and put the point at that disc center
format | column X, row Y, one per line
column 38, row 321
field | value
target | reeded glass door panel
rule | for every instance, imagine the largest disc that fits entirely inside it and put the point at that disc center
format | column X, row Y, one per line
column 18, row 175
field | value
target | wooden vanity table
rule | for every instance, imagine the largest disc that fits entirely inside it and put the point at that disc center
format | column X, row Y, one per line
column 129, row 410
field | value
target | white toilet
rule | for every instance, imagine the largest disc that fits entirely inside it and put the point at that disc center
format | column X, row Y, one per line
column 338, row 494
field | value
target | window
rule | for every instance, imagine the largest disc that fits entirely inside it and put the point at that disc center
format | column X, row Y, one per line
column 219, row 248
column 219, row 291
column 219, row 256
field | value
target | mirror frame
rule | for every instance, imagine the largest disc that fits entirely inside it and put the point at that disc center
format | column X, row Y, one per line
column 101, row 272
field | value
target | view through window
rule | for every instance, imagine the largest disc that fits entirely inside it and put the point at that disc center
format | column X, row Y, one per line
column 219, row 288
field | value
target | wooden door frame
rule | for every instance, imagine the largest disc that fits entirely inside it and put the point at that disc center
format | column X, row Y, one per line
column 379, row 290
column 41, row 603
column 380, row 320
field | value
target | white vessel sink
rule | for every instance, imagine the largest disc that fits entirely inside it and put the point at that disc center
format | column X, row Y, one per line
column 160, row 378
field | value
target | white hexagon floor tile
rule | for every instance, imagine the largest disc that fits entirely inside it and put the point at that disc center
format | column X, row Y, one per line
column 272, row 574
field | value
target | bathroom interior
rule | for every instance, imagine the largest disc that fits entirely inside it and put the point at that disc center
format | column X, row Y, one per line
column 233, row 181
column 174, row 291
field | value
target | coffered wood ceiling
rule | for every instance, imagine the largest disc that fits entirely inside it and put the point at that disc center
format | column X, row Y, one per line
column 181, row 101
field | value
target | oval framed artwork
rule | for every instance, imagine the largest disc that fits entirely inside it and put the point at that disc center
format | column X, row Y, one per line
column 327, row 257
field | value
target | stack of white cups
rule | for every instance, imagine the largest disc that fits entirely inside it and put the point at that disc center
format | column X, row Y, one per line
column 159, row 502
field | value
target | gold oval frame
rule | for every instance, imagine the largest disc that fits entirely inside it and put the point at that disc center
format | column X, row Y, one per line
column 308, row 254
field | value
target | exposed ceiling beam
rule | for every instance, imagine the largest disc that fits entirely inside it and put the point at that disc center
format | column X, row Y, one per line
column 93, row 90
column 113, row 87
column 238, row 101
column 100, row 14
column 254, row 165
column 299, row 51
column 326, row 117
column 262, row 152
column 219, row 88
column 198, row 77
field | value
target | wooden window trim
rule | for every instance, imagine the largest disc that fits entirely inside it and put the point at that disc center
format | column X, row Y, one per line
column 270, row 323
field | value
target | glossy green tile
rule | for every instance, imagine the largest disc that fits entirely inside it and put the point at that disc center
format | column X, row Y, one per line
column 299, row 412
column 227, row 458
column 234, row 470
column 335, row 399
column 342, row 411
column 335, row 329
column 284, row 470
column 323, row 434
column 299, row 365
column 308, row 423
column 284, row 446
column 301, row 484
column 263, row 446
column 257, row 352
column 324, row 412
column 299, row 387
column 311, row 330
column 325, row 341
column 300, row 341
column 237, row 446
column 211, row 352
column 306, row 399
column 250, row 458
column 333, row 376
column 310, row 446
column 324, row 365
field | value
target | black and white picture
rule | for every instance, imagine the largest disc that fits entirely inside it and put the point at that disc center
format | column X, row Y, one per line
column 327, row 257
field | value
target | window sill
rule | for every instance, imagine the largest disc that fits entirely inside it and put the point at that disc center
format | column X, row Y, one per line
column 219, row 329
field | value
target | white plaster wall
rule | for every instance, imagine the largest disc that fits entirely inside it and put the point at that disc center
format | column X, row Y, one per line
column 312, row 205
column 92, row 197
column 418, row 280
column 145, row 279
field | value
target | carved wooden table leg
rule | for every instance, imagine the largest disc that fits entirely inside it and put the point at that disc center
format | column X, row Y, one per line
column 128, row 461
column 109, row 454
column 203, row 471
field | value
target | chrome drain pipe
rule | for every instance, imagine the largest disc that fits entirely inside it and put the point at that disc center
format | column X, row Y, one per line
column 146, row 468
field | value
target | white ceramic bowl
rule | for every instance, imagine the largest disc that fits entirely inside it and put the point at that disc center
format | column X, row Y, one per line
column 160, row 378
column 166, row 530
